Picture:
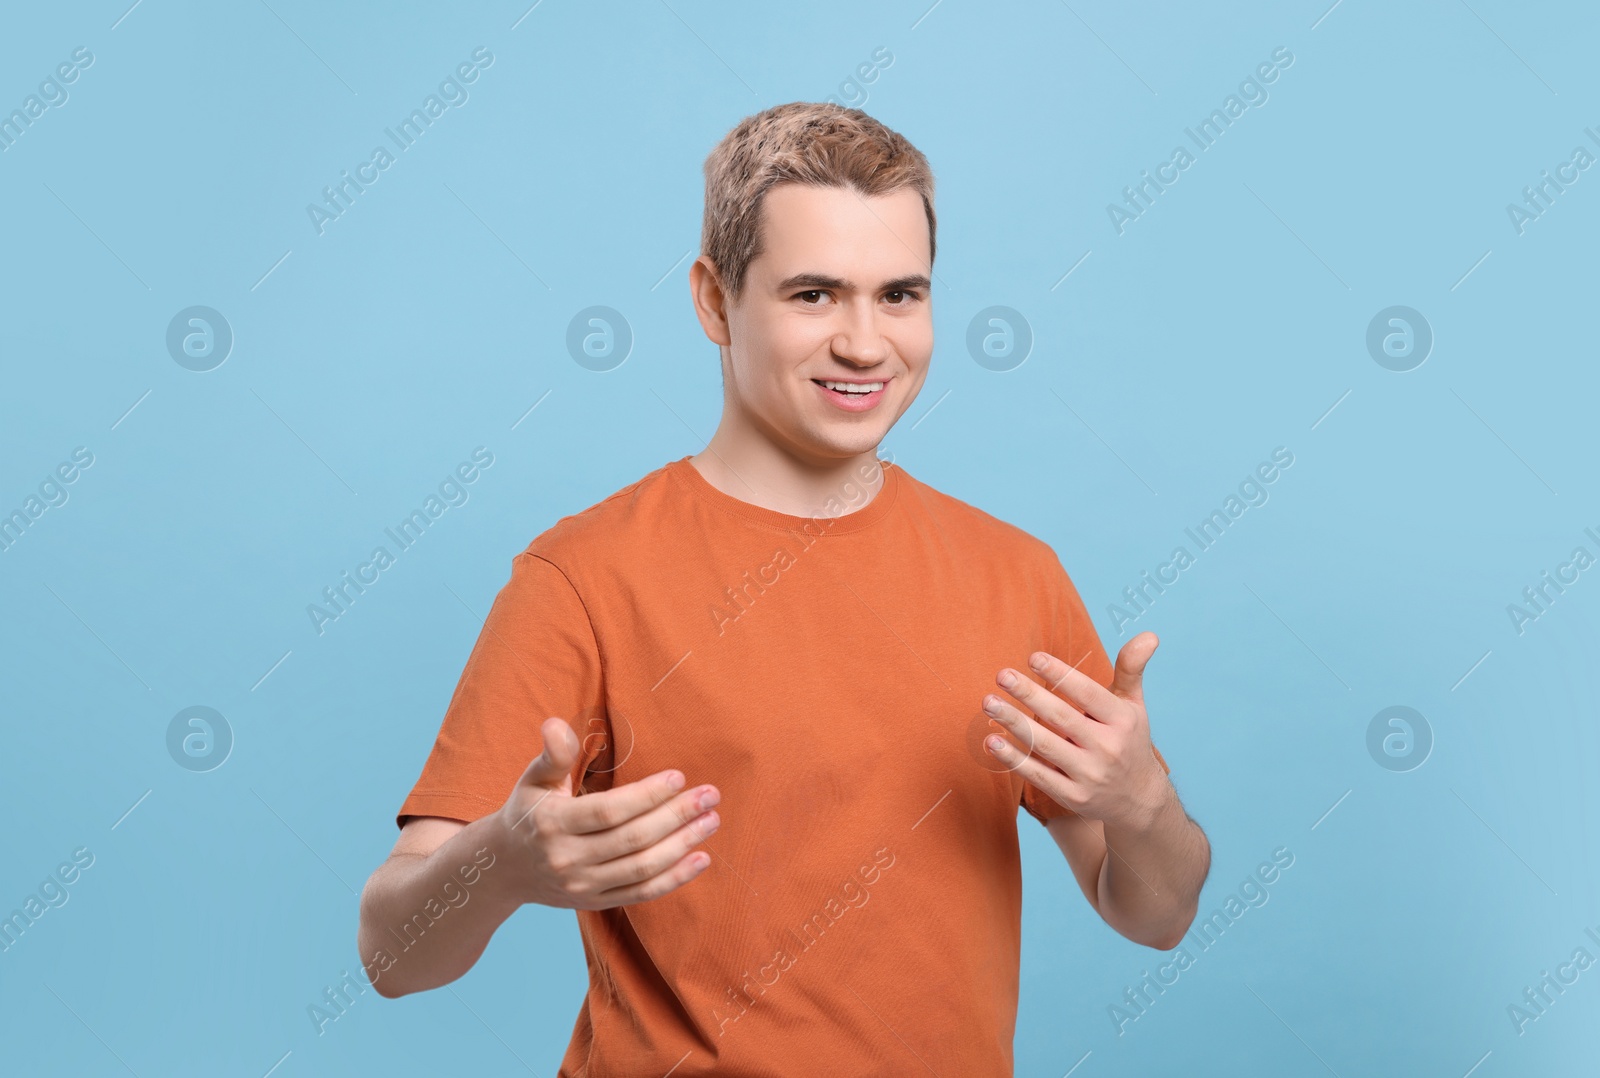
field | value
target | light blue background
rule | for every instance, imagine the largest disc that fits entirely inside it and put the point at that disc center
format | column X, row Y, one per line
column 373, row 358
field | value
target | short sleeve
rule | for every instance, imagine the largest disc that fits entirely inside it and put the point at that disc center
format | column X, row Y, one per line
column 535, row 657
column 1072, row 639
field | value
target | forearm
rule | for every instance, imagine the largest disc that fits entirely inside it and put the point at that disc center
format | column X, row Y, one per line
column 425, row 919
column 1149, row 885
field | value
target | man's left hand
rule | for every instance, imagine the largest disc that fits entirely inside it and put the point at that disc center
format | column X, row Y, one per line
column 1087, row 747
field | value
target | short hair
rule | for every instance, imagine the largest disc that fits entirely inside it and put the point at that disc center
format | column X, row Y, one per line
column 816, row 144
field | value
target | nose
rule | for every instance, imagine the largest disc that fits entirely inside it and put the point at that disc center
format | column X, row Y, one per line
column 859, row 340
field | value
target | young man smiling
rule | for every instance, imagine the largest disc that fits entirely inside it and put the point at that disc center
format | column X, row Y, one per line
column 821, row 643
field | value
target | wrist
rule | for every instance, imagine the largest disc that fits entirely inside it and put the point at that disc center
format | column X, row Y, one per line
column 489, row 847
column 1153, row 809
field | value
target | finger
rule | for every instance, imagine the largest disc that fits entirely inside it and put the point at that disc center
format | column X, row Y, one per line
column 1128, row 680
column 612, row 808
column 1059, row 787
column 649, row 828
column 645, row 864
column 1052, row 707
column 1083, row 692
column 552, row 768
column 1036, row 738
column 680, row 873
column 654, row 802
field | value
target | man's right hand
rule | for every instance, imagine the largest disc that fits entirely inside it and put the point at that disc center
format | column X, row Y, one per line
column 628, row 844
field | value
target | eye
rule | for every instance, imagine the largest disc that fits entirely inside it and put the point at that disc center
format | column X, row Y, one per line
column 810, row 292
column 909, row 297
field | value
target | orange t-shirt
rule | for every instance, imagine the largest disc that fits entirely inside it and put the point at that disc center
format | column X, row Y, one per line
column 862, row 910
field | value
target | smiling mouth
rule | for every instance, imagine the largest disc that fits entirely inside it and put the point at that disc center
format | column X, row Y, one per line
column 850, row 389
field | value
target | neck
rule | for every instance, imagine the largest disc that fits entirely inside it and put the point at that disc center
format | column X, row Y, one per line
column 746, row 464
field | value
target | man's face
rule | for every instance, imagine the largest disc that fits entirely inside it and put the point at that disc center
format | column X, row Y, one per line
column 840, row 293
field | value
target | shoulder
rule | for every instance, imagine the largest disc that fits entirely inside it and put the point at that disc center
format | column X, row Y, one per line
column 619, row 521
column 966, row 523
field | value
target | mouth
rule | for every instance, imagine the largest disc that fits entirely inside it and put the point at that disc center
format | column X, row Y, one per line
column 851, row 396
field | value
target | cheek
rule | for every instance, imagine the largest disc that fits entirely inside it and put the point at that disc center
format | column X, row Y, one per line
column 773, row 351
column 914, row 341
column 763, row 335
column 918, row 362
column 766, row 360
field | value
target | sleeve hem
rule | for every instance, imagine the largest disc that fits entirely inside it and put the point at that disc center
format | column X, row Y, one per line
column 450, row 805
column 1046, row 819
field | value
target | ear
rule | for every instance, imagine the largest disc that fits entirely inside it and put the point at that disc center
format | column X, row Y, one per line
column 710, row 301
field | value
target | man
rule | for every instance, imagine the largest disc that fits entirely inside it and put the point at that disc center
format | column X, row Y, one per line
column 759, row 689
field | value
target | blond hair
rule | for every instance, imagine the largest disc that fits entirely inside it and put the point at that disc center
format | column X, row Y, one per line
column 817, row 144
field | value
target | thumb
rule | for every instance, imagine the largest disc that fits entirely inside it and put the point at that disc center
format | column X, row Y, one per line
column 1128, row 679
column 552, row 768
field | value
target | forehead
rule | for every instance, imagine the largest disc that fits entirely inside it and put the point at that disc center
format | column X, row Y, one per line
column 820, row 229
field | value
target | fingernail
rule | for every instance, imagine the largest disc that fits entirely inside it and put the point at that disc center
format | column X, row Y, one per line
column 710, row 822
column 1008, row 679
column 1037, row 662
column 995, row 745
column 708, row 798
column 675, row 780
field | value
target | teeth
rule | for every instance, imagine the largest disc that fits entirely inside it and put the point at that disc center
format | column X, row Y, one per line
column 852, row 387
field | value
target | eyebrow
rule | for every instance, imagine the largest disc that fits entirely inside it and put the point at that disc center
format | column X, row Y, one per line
column 823, row 280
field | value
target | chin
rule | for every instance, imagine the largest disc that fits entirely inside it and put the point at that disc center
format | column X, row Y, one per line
column 857, row 443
